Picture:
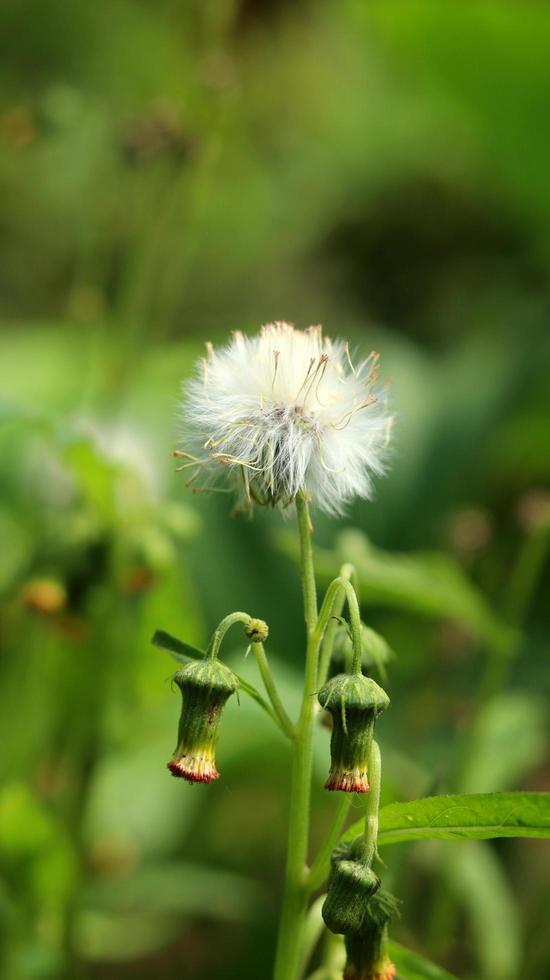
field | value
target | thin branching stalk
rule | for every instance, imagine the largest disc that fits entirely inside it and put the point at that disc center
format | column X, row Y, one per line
column 221, row 630
column 271, row 691
column 337, row 587
column 372, row 807
column 347, row 571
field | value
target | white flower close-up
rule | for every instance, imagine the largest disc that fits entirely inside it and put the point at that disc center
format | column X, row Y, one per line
column 286, row 412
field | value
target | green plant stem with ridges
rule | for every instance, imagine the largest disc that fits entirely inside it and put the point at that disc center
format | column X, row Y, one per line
column 309, row 589
column 296, row 889
column 289, row 944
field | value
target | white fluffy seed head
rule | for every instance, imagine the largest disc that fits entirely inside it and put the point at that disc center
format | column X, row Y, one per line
column 285, row 412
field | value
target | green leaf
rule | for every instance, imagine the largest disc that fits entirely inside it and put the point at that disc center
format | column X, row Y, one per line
column 431, row 584
column 181, row 651
column 477, row 816
column 411, row 966
column 184, row 652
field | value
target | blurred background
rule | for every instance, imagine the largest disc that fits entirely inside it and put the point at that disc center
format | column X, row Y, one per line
column 169, row 171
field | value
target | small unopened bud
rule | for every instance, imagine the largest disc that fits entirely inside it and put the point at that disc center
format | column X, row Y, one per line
column 354, row 701
column 350, row 886
column 205, row 687
column 256, row 630
column 367, row 957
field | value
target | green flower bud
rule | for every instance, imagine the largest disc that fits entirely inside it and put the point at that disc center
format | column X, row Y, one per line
column 354, row 701
column 205, row 686
column 256, row 630
column 351, row 883
column 367, row 957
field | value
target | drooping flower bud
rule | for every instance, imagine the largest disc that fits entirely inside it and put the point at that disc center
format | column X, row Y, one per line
column 354, row 701
column 205, row 686
column 351, row 884
column 367, row 956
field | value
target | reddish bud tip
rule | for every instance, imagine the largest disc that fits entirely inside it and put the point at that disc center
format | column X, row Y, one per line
column 348, row 782
column 383, row 970
column 202, row 772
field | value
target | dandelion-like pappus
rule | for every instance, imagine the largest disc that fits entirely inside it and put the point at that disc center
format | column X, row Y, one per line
column 286, row 412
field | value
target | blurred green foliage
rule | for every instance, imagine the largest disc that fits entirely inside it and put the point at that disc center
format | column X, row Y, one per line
column 170, row 171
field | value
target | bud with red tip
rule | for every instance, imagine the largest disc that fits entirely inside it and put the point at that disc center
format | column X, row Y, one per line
column 354, row 701
column 205, row 687
column 367, row 956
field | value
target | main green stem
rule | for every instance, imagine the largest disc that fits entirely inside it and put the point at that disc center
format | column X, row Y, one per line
column 298, row 881
column 309, row 590
column 287, row 961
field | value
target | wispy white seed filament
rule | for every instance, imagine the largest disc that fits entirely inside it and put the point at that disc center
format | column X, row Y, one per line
column 283, row 412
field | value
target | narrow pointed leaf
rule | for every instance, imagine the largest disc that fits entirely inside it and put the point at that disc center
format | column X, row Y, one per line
column 478, row 816
column 181, row 651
